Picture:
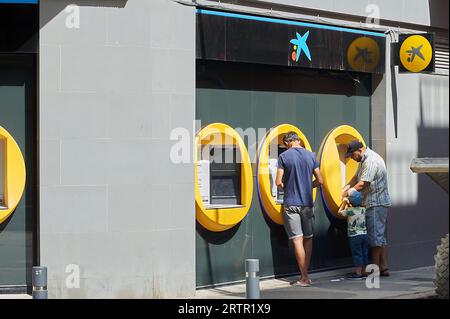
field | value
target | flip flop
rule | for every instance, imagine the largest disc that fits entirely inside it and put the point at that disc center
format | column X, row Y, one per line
column 310, row 281
column 385, row 272
column 298, row 283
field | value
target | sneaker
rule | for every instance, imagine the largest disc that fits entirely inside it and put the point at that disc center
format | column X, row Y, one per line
column 355, row 276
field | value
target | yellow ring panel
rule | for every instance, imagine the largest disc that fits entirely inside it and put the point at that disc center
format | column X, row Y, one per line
column 272, row 209
column 220, row 219
column 332, row 162
column 15, row 175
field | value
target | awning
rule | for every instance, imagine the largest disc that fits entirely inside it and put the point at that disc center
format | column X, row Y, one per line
column 236, row 37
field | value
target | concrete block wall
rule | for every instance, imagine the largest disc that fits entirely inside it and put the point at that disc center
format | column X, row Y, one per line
column 421, row 12
column 111, row 201
column 416, row 126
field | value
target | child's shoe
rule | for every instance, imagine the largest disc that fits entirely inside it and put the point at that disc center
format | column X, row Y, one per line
column 355, row 276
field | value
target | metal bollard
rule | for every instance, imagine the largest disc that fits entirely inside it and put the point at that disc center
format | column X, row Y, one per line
column 39, row 282
column 251, row 279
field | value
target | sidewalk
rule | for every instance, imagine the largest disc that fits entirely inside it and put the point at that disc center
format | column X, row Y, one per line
column 410, row 284
column 15, row 296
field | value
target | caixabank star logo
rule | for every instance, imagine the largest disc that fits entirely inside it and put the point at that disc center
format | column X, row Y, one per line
column 416, row 53
column 300, row 45
column 363, row 54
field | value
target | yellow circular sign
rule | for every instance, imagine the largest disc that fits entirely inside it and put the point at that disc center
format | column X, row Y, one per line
column 416, row 53
column 363, row 54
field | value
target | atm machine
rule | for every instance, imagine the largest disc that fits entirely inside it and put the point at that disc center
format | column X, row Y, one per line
column 270, row 148
column 224, row 178
column 219, row 176
column 277, row 193
column 337, row 170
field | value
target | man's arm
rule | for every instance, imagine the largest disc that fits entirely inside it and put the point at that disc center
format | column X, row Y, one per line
column 350, row 184
column 319, row 180
column 279, row 178
column 368, row 171
column 360, row 186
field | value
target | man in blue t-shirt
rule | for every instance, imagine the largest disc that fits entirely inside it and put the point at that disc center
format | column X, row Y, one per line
column 296, row 168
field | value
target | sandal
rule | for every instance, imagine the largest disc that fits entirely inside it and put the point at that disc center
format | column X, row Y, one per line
column 299, row 283
column 385, row 272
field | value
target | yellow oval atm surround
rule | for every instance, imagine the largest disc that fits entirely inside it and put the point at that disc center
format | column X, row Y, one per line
column 266, row 169
column 14, row 174
column 218, row 218
column 335, row 168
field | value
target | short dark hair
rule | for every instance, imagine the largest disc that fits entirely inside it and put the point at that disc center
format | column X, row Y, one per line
column 290, row 137
column 353, row 146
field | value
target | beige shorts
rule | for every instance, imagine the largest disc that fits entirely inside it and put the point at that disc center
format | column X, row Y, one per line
column 298, row 221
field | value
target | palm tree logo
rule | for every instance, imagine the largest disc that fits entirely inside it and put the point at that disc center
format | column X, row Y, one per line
column 299, row 46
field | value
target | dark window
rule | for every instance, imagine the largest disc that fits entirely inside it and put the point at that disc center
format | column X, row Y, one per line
column 19, row 28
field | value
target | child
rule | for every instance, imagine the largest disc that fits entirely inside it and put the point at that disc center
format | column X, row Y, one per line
column 352, row 208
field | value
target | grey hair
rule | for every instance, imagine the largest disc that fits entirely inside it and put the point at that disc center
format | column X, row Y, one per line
column 290, row 137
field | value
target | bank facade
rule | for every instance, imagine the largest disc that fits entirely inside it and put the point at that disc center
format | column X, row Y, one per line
column 98, row 96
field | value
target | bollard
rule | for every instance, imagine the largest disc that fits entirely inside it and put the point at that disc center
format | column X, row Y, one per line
column 39, row 282
column 251, row 278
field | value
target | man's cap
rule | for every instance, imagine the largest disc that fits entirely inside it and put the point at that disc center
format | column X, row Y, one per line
column 352, row 147
column 355, row 198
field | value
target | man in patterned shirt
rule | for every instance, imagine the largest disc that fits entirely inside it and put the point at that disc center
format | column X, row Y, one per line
column 371, row 179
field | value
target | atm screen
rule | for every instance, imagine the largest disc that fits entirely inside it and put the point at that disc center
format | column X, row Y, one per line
column 225, row 188
column 225, row 175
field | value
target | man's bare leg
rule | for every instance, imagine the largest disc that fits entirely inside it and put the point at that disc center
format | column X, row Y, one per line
column 384, row 259
column 300, row 255
column 308, row 245
column 376, row 256
column 359, row 270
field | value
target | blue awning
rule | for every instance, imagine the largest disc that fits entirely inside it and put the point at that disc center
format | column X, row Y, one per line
column 20, row 1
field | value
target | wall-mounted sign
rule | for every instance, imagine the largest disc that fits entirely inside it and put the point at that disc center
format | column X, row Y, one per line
column 233, row 37
column 364, row 54
column 416, row 53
